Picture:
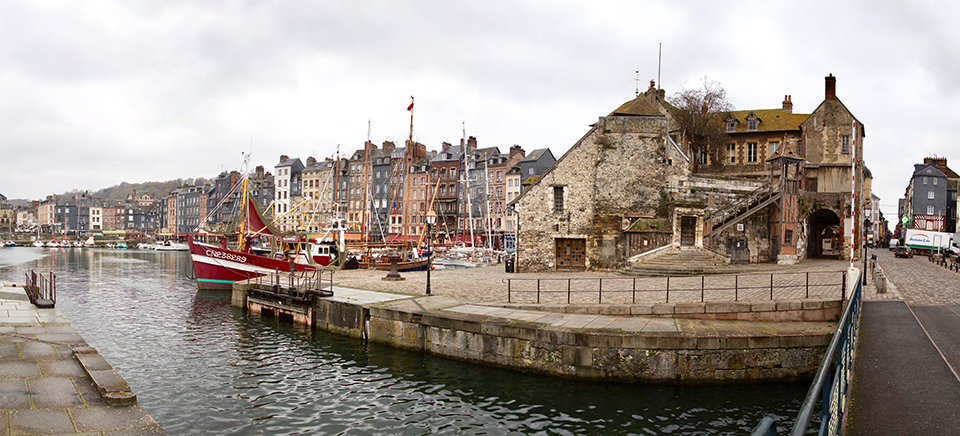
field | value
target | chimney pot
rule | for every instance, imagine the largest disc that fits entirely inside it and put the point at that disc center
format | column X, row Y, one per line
column 787, row 104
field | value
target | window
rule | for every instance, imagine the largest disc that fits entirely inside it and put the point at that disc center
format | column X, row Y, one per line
column 558, row 199
column 929, row 210
column 844, row 143
column 751, row 152
column 934, row 181
column 930, row 194
column 731, row 125
column 751, row 124
column 772, row 147
column 732, row 153
column 924, row 180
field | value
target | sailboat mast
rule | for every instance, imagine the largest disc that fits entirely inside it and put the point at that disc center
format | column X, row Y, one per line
column 336, row 187
column 486, row 196
column 405, row 173
column 366, row 186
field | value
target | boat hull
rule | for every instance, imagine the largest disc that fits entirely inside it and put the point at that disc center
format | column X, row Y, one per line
column 220, row 268
column 420, row 264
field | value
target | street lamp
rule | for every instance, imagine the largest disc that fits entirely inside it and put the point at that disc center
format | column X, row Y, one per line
column 431, row 219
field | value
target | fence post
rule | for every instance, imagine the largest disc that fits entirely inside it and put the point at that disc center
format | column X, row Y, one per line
column 808, row 284
column 702, row 278
column 634, row 290
column 538, row 291
column 600, row 291
column 771, row 287
column 508, row 292
column 843, row 288
column 668, row 289
column 568, row 291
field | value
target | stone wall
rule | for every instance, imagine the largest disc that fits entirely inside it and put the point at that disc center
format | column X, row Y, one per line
column 604, row 355
column 618, row 168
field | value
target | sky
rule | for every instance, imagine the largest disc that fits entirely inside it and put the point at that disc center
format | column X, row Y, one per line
column 95, row 93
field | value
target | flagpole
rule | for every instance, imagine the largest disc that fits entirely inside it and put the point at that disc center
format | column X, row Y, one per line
column 853, row 194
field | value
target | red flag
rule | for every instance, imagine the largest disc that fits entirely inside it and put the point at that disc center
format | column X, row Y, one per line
column 410, row 108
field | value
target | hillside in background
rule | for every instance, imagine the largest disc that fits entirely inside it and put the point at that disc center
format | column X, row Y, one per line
column 158, row 189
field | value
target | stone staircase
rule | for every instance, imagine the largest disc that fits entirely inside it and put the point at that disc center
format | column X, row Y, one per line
column 680, row 263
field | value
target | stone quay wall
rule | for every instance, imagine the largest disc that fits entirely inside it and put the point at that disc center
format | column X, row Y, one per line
column 602, row 354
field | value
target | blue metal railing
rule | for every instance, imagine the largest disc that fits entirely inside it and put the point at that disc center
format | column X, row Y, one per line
column 832, row 382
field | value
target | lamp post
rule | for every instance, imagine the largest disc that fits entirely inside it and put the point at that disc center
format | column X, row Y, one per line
column 431, row 219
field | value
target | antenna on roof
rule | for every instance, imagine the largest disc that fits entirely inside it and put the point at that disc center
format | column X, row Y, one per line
column 636, row 93
column 368, row 130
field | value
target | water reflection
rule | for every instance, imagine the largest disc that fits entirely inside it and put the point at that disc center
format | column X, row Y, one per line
column 200, row 366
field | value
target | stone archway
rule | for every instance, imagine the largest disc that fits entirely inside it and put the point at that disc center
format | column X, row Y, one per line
column 825, row 234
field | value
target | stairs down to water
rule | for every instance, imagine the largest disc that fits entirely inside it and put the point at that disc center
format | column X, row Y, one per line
column 680, row 263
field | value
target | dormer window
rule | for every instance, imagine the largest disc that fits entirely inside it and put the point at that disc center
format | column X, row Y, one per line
column 731, row 125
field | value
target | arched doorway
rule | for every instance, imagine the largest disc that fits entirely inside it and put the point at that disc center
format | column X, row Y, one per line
column 825, row 234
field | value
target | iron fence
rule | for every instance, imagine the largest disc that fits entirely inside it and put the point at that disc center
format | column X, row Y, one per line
column 41, row 290
column 831, row 386
column 623, row 290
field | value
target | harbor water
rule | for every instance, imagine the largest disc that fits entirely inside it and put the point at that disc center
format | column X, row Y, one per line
column 200, row 366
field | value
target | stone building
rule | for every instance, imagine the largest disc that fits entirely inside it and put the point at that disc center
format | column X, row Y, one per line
column 573, row 217
column 782, row 191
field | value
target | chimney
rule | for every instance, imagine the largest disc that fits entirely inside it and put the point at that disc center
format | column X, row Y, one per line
column 787, row 104
column 472, row 143
column 388, row 145
column 311, row 161
column 284, row 157
column 653, row 85
column 830, row 88
column 516, row 150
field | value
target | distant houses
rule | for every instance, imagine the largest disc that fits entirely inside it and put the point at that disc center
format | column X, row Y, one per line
column 378, row 193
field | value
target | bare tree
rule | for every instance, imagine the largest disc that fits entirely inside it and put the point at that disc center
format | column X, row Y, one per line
column 701, row 116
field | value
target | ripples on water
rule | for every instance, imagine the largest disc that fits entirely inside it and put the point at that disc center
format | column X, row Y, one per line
column 200, row 366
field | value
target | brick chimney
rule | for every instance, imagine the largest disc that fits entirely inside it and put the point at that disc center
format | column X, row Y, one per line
column 516, row 150
column 284, row 157
column 787, row 104
column 830, row 88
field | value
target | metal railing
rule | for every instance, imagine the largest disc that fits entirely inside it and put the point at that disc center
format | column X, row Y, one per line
column 301, row 281
column 831, row 386
column 42, row 290
column 721, row 287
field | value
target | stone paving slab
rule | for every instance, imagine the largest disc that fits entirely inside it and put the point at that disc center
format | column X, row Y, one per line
column 44, row 389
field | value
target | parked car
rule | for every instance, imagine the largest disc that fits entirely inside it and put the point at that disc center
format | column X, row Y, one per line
column 903, row 252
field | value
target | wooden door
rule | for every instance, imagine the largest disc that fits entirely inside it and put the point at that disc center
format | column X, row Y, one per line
column 688, row 228
column 571, row 254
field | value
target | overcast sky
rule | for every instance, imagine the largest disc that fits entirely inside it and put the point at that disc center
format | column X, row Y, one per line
column 95, row 93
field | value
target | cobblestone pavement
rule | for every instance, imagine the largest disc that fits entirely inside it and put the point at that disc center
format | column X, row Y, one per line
column 813, row 278
column 919, row 281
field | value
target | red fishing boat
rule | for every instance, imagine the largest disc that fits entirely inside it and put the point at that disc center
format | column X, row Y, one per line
column 253, row 248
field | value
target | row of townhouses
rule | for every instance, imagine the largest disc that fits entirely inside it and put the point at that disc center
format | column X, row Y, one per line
column 370, row 192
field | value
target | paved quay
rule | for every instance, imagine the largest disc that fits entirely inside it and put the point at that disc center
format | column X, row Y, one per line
column 489, row 284
column 53, row 383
